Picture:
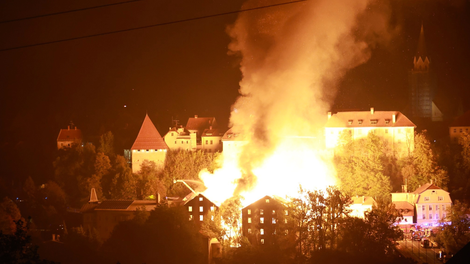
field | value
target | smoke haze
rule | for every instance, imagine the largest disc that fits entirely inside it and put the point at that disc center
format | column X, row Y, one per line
column 292, row 58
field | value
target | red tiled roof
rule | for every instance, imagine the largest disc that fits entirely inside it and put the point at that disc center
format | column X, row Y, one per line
column 200, row 123
column 148, row 137
column 351, row 119
column 212, row 133
column 424, row 187
column 69, row 134
column 463, row 120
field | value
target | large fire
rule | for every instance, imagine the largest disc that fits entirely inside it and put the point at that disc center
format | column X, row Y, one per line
column 291, row 165
column 292, row 58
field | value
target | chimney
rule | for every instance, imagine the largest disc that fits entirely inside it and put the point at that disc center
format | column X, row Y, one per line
column 68, row 127
column 371, row 110
column 329, row 115
column 394, row 118
column 93, row 196
column 210, row 128
column 404, row 188
column 195, row 116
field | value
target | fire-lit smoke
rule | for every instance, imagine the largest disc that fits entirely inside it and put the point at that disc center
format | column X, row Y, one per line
column 292, row 58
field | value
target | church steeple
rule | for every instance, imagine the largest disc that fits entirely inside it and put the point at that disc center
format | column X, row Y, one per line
column 421, row 61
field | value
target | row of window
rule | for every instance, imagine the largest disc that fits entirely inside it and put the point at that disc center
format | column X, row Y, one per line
column 149, row 150
column 201, row 208
column 437, row 216
column 460, row 130
column 261, row 220
column 261, row 212
column 439, row 198
column 201, row 218
column 423, row 207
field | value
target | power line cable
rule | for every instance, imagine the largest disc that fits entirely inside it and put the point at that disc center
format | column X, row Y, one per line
column 153, row 25
column 68, row 11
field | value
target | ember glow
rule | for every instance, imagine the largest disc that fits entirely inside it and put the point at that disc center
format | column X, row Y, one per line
column 292, row 58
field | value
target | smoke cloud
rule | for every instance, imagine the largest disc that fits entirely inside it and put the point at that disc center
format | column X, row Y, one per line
column 292, row 58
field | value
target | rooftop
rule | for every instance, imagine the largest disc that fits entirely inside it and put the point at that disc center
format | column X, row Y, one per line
column 369, row 119
column 148, row 137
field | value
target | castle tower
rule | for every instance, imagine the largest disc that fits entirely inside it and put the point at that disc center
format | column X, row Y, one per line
column 422, row 82
column 149, row 145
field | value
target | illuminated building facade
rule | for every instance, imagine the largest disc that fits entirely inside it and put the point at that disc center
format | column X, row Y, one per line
column 200, row 133
column 198, row 207
column 393, row 126
column 263, row 220
column 360, row 205
column 422, row 83
column 68, row 137
column 430, row 203
column 460, row 126
column 148, row 145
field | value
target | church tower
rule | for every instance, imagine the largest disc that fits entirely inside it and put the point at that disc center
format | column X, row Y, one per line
column 422, row 83
column 149, row 145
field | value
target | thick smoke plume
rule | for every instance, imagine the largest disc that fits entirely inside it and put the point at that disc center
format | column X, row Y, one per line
column 292, row 58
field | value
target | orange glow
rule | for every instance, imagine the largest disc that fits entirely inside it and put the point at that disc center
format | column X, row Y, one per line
column 293, row 163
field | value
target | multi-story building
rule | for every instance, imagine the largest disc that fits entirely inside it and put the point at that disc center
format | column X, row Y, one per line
column 263, row 220
column 460, row 126
column 407, row 211
column 423, row 85
column 148, row 145
column 430, row 204
column 68, row 137
column 198, row 207
column 360, row 205
column 200, row 133
column 393, row 126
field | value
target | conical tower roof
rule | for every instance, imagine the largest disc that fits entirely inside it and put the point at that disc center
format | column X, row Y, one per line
column 93, row 196
column 148, row 137
column 421, row 52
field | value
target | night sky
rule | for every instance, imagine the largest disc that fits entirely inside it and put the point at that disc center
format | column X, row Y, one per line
column 179, row 70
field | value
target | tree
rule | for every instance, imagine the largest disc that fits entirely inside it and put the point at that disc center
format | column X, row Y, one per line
column 106, row 145
column 454, row 235
column 148, row 182
column 360, row 166
column 421, row 167
column 186, row 165
column 17, row 247
column 9, row 215
column 101, row 170
column 123, row 182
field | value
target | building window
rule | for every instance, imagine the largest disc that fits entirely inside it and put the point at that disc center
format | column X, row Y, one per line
column 201, row 199
column 444, row 207
column 460, row 130
column 423, row 207
column 176, row 142
column 387, row 121
column 249, row 220
column 386, row 131
column 267, row 200
column 201, row 208
column 373, row 121
column 424, row 216
column 249, row 211
column 211, row 142
column 285, row 220
column 212, row 217
column 455, row 130
column 437, row 216
column 359, row 121
column 261, row 211
column 187, row 142
column 274, row 220
column 181, row 141
column 262, row 241
column 430, row 216
column 426, row 199
column 286, row 212
column 212, row 208
column 261, row 231
column 249, row 230
column 350, row 122
column 274, row 212
column 437, row 207
column 190, row 217
column 440, row 198
column 207, row 142
column 201, row 218
column 190, row 208
column 261, row 220
column 430, row 207
column 171, row 134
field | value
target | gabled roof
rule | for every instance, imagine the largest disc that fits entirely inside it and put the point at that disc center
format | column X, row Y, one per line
column 406, row 207
column 69, row 134
column 424, row 187
column 276, row 199
column 369, row 119
column 231, row 135
column 148, row 137
column 190, row 197
column 463, row 120
column 200, row 123
column 114, row 205
column 214, row 132
column 364, row 200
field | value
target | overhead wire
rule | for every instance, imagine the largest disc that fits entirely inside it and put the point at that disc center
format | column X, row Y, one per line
column 153, row 25
column 66, row 12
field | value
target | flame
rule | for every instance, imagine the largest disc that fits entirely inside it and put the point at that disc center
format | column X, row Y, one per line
column 292, row 164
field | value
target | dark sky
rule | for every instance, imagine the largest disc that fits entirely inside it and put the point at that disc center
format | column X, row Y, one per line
column 182, row 69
